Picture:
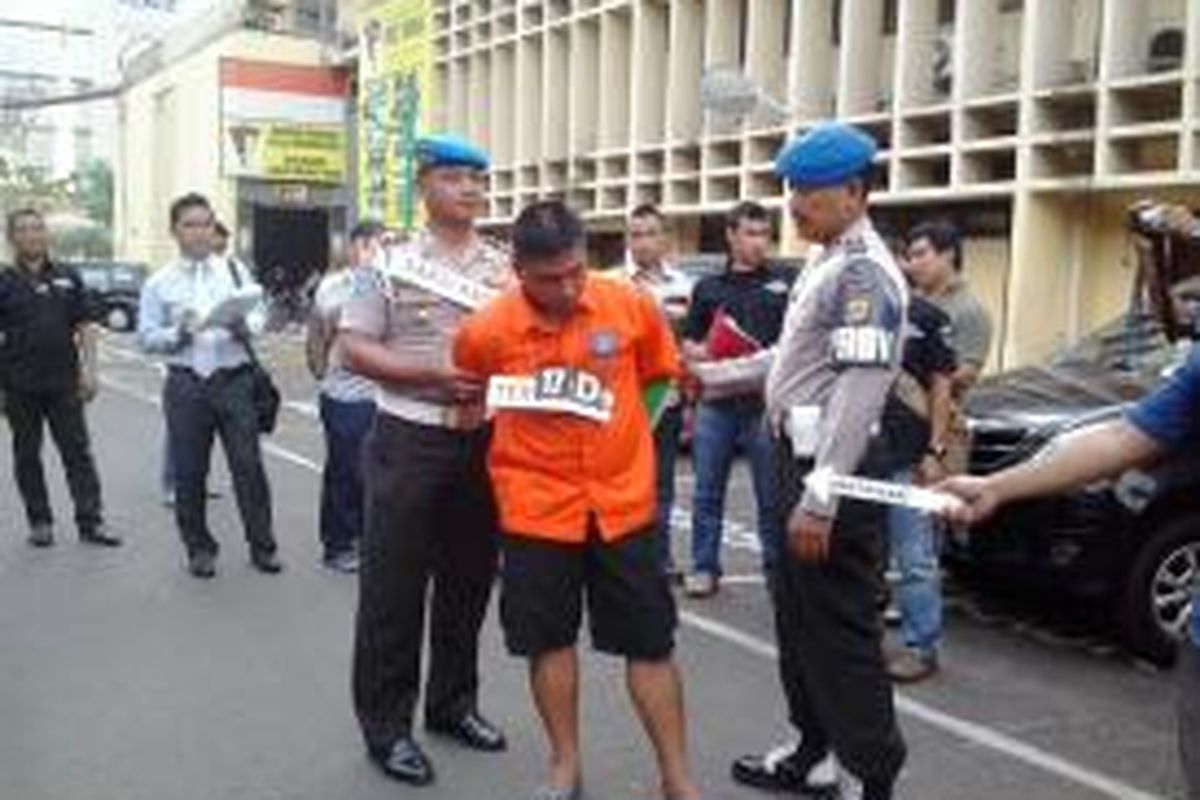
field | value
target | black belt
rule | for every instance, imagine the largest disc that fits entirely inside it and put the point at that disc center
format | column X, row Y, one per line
column 221, row 373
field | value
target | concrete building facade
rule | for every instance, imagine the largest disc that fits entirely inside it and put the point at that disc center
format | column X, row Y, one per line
column 174, row 121
column 1032, row 123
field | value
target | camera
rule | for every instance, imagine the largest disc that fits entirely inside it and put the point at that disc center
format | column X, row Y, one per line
column 1151, row 219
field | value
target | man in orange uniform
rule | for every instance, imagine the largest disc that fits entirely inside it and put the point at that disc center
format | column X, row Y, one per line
column 572, row 464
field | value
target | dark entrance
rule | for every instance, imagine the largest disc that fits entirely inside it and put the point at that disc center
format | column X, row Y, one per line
column 290, row 245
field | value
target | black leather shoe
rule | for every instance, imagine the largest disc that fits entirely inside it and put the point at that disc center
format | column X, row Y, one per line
column 266, row 562
column 784, row 770
column 202, row 565
column 404, row 762
column 100, row 536
column 473, row 731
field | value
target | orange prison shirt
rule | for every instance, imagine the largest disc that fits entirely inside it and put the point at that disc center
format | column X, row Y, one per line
column 551, row 471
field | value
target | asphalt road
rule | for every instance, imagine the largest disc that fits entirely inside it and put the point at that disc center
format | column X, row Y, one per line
column 121, row 678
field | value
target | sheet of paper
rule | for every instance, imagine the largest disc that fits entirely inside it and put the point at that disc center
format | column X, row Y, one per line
column 233, row 308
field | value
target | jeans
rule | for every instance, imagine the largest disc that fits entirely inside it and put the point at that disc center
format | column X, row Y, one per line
column 29, row 414
column 342, row 495
column 666, row 450
column 198, row 411
column 721, row 432
column 913, row 550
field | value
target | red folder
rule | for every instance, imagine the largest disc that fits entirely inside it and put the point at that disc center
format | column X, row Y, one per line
column 727, row 339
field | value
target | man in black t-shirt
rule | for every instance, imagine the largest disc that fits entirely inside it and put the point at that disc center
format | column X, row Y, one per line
column 749, row 299
column 45, row 327
column 916, row 419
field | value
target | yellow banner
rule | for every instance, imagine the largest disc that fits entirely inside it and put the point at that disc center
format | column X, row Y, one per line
column 395, row 103
column 286, row 151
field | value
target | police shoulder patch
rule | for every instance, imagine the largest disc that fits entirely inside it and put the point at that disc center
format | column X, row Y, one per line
column 856, row 311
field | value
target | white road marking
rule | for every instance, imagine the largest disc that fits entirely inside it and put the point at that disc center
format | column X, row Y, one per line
column 758, row 579
column 965, row 729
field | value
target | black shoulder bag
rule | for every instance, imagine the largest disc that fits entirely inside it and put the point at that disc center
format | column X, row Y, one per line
column 266, row 395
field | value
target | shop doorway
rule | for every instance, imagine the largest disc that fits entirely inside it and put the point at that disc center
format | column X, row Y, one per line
column 291, row 245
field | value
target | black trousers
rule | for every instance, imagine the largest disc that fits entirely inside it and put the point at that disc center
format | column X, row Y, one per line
column 430, row 518
column 199, row 410
column 28, row 415
column 1188, row 678
column 829, row 635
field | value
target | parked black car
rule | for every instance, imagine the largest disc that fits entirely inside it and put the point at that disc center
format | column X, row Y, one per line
column 1132, row 544
column 114, row 286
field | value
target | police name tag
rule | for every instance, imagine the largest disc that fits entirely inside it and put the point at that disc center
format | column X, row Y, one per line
column 864, row 345
column 445, row 283
column 557, row 390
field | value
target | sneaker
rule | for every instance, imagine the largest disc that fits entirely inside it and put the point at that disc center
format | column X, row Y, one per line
column 701, row 584
column 41, row 535
column 910, row 666
column 346, row 562
column 892, row 616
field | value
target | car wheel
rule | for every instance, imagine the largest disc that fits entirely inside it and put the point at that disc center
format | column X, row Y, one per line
column 1157, row 604
column 118, row 319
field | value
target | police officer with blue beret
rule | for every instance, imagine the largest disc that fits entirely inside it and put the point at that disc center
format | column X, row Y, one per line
column 838, row 356
column 430, row 518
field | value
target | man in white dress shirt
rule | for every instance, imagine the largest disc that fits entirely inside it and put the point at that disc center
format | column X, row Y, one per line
column 210, row 385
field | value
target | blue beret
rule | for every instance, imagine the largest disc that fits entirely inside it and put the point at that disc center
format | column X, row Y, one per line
column 445, row 150
column 830, row 154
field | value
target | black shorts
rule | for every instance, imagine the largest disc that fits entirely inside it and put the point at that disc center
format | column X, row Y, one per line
column 631, row 612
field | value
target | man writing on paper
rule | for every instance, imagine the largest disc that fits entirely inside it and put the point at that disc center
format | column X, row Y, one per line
column 838, row 357
column 192, row 311
column 572, row 461
column 429, row 512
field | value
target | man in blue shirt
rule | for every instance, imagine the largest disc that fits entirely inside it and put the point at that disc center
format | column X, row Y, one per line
column 1164, row 422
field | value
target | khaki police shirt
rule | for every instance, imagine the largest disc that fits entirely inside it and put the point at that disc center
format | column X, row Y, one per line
column 840, row 350
column 415, row 324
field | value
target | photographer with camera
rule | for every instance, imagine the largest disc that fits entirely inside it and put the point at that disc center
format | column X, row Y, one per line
column 1164, row 422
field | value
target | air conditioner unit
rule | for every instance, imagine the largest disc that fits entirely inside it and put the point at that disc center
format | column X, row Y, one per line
column 1165, row 51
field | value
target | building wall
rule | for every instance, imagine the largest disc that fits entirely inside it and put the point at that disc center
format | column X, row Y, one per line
column 1053, row 110
column 169, row 141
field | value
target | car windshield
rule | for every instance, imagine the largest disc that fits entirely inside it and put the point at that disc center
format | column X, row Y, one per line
column 93, row 277
column 1131, row 343
column 128, row 275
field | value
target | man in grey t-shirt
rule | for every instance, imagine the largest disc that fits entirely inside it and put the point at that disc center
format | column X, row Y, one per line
column 347, row 402
column 935, row 267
